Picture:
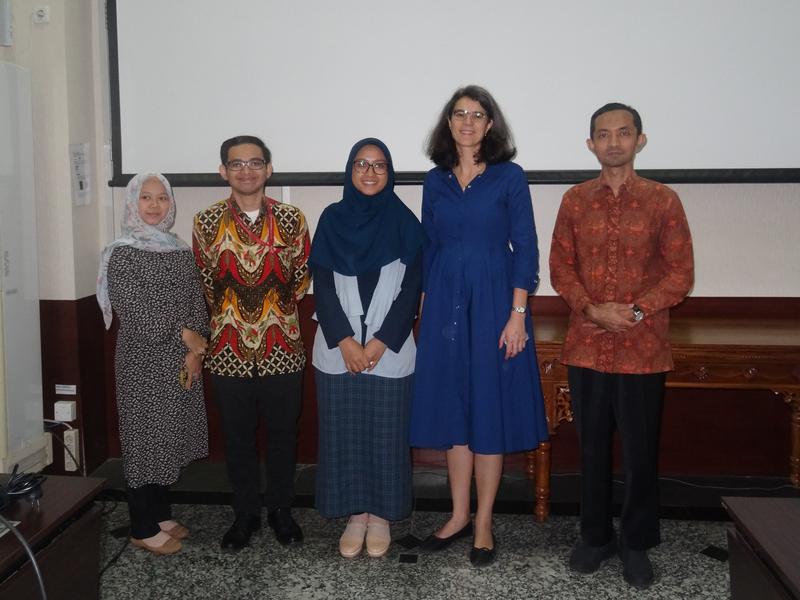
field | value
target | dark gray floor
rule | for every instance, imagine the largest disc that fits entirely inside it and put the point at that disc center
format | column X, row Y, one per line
column 531, row 564
column 531, row 556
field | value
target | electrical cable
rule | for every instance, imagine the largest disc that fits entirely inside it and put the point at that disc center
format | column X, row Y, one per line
column 113, row 559
column 54, row 422
column 102, row 497
column 24, row 484
column 29, row 551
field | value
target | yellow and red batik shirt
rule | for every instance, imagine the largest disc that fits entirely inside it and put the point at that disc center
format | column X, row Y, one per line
column 633, row 248
column 254, row 273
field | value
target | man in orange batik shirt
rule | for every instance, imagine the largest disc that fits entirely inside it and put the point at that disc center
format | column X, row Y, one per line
column 621, row 256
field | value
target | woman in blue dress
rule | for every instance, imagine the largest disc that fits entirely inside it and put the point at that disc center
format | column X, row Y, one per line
column 477, row 391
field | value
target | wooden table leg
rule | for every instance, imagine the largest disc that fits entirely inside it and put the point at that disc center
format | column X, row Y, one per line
column 542, row 482
column 794, row 460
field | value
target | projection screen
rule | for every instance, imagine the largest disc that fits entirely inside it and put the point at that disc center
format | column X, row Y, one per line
column 716, row 82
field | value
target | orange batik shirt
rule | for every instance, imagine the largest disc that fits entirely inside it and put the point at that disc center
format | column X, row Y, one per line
column 254, row 274
column 634, row 248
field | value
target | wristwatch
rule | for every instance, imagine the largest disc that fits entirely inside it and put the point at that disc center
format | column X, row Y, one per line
column 638, row 313
column 519, row 309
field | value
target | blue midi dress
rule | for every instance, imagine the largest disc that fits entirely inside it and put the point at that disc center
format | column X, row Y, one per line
column 482, row 245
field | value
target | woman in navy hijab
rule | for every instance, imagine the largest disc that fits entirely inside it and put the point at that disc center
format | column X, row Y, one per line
column 366, row 263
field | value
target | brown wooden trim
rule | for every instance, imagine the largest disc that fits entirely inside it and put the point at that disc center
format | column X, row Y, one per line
column 703, row 306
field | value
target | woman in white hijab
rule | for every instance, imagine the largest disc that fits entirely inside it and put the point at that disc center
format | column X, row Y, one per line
column 150, row 280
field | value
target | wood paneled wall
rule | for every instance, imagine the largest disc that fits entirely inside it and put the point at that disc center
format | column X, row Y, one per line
column 721, row 432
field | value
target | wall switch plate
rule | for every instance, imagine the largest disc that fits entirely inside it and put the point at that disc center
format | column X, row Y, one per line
column 41, row 15
column 65, row 410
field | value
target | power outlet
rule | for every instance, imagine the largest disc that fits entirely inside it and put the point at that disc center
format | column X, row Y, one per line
column 72, row 443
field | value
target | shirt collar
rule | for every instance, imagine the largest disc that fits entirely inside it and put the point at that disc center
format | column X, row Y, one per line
column 599, row 186
column 243, row 214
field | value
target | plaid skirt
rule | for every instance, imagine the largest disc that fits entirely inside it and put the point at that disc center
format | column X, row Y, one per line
column 364, row 462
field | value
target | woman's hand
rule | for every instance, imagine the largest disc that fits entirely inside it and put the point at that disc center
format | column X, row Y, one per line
column 194, row 341
column 514, row 336
column 374, row 350
column 355, row 359
column 194, row 367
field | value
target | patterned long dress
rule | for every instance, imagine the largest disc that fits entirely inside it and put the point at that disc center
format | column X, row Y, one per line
column 162, row 426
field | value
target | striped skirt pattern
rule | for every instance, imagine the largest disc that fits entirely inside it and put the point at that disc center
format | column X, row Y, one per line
column 364, row 462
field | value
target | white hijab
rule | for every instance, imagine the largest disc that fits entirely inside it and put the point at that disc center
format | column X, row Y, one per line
column 137, row 233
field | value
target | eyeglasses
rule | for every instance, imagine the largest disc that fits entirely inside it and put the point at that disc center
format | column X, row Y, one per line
column 461, row 115
column 379, row 166
column 255, row 164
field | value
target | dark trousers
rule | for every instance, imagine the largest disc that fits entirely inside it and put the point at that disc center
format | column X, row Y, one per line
column 631, row 404
column 274, row 400
column 148, row 506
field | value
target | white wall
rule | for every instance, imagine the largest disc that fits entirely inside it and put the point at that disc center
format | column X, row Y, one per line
column 65, row 57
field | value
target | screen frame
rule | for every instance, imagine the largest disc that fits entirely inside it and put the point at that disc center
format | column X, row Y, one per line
column 328, row 178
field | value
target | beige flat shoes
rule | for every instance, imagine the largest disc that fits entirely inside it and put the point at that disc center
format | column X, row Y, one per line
column 171, row 546
column 352, row 540
column 177, row 531
column 378, row 537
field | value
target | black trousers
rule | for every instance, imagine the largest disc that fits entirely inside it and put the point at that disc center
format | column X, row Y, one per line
column 148, row 506
column 631, row 404
column 275, row 401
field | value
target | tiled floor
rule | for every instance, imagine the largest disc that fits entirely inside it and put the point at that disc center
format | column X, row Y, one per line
column 531, row 563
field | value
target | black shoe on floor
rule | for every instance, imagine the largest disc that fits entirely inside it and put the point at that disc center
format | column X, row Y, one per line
column 483, row 557
column 286, row 529
column 587, row 559
column 432, row 543
column 238, row 536
column 637, row 568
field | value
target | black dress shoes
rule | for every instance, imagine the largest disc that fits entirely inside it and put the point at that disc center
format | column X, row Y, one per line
column 483, row 557
column 238, row 536
column 587, row 559
column 432, row 543
column 286, row 529
column 637, row 568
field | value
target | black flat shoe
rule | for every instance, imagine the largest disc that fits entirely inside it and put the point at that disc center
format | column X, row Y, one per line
column 238, row 536
column 432, row 543
column 286, row 529
column 483, row 557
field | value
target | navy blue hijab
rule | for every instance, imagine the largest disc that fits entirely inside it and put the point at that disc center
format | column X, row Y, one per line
column 363, row 233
